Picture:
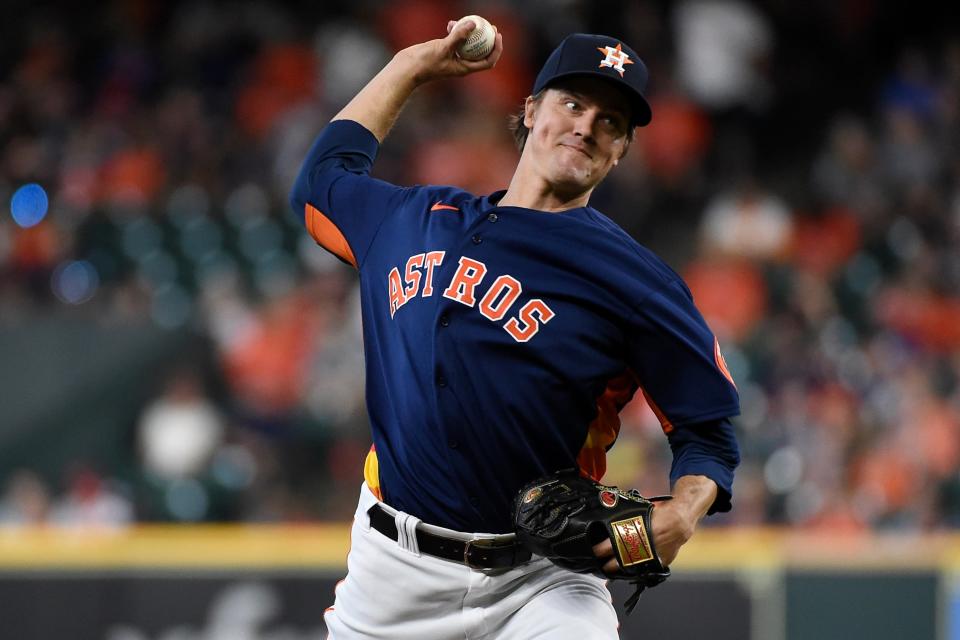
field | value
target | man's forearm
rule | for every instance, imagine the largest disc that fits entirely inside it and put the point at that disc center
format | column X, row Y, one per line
column 676, row 520
column 693, row 495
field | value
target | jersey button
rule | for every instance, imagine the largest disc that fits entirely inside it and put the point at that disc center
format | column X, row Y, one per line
column 477, row 239
column 444, row 321
column 492, row 217
column 441, row 381
column 453, row 444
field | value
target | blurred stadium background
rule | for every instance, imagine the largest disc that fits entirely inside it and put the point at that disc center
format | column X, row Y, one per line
column 182, row 427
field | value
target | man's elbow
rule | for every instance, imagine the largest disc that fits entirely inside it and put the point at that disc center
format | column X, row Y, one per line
column 300, row 194
column 297, row 202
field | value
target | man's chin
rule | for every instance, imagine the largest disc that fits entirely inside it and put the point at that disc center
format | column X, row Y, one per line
column 570, row 190
column 573, row 179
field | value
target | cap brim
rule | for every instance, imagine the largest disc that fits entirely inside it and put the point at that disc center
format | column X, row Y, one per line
column 642, row 114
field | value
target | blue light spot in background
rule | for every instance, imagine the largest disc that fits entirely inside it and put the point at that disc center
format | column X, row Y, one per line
column 75, row 282
column 29, row 205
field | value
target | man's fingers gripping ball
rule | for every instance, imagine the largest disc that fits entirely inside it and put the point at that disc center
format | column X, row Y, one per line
column 480, row 39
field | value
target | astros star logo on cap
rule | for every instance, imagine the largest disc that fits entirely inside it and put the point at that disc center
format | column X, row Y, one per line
column 615, row 57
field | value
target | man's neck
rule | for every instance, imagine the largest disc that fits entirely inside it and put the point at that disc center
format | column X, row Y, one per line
column 530, row 191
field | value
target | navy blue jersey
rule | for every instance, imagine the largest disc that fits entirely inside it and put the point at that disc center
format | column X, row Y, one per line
column 501, row 342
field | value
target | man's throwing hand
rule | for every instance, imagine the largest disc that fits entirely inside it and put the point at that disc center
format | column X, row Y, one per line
column 438, row 58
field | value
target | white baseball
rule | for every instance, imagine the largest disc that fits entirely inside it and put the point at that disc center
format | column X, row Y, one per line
column 479, row 43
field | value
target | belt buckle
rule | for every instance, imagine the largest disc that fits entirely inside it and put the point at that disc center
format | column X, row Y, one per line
column 469, row 546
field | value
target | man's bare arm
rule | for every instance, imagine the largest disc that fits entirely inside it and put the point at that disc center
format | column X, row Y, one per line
column 675, row 521
column 379, row 103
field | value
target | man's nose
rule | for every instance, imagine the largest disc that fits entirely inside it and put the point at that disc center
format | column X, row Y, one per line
column 585, row 125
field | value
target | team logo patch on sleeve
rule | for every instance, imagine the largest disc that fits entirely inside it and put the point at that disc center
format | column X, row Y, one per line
column 632, row 542
column 614, row 57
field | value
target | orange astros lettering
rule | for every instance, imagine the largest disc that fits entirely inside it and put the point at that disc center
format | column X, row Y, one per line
column 432, row 259
column 502, row 294
column 412, row 277
column 395, row 289
column 465, row 280
column 532, row 315
column 495, row 303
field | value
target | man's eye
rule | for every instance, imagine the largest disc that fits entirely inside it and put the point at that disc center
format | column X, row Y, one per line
column 613, row 123
column 570, row 104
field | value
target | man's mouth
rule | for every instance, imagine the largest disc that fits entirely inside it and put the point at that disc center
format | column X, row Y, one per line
column 577, row 148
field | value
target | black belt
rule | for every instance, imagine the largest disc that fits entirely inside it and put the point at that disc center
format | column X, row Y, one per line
column 476, row 554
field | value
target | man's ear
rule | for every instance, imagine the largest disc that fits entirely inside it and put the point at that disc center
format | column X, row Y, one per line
column 529, row 111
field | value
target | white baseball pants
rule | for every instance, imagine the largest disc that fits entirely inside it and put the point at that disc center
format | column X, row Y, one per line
column 394, row 592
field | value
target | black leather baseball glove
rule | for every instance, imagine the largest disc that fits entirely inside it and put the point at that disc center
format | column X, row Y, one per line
column 561, row 517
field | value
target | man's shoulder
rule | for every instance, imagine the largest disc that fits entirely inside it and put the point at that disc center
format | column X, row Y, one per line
column 642, row 260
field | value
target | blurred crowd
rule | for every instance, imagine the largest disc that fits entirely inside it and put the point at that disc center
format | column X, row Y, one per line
column 802, row 172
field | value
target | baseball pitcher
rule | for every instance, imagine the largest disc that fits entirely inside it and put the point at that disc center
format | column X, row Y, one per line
column 503, row 333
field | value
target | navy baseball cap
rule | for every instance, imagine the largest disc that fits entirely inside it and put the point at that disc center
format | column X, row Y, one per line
column 585, row 54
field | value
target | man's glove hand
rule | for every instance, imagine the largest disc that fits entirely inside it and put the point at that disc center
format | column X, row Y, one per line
column 563, row 515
